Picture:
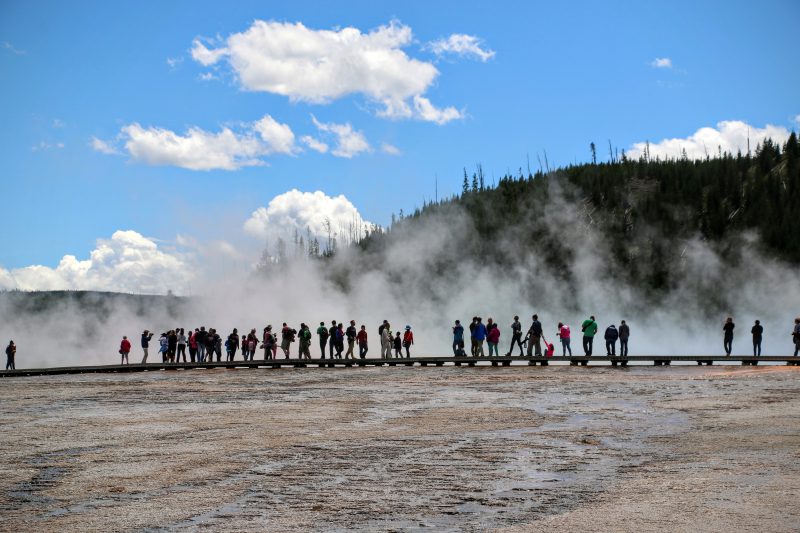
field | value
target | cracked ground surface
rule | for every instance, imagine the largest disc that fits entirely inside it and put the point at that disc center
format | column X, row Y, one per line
column 403, row 449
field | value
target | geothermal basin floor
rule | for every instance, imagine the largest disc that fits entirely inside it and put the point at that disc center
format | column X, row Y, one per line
column 519, row 448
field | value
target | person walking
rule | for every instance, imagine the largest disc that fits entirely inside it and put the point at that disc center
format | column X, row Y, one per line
column 305, row 341
column 516, row 336
column 624, row 335
column 493, row 338
column 534, row 337
column 146, row 336
column 796, row 336
column 727, row 340
column 232, row 343
column 473, row 344
column 287, row 338
column 361, row 337
column 398, row 345
column 181, row 346
column 757, row 330
column 351, row 333
column 332, row 338
column 408, row 340
column 458, row 340
column 193, row 345
column 564, row 335
column 611, row 337
column 480, row 334
column 268, row 343
column 11, row 353
column 322, row 333
column 589, row 329
column 252, row 343
column 124, row 350
column 339, row 340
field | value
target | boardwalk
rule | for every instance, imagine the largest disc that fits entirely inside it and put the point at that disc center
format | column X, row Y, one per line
column 657, row 360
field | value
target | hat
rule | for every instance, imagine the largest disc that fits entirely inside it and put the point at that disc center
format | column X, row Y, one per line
column 408, row 327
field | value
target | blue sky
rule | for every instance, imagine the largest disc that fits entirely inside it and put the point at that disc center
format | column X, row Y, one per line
column 562, row 75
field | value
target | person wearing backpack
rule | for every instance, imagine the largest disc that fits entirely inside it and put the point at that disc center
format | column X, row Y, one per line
column 564, row 335
column 611, row 337
column 589, row 329
column 408, row 340
column 322, row 333
column 624, row 335
column 350, row 333
column 757, row 330
column 305, row 341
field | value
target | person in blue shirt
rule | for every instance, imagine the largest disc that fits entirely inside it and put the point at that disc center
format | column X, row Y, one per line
column 458, row 339
column 480, row 336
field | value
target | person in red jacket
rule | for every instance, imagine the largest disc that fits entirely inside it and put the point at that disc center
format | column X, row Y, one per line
column 493, row 337
column 408, row 340
column 361, row 337
column 124, row 349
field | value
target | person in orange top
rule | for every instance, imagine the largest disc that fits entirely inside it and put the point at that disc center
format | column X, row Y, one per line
column 408, row 340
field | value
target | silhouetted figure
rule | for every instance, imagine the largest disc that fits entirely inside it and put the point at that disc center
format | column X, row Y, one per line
column 398, row 345
column 305, row 341
column 322, row 333
column 11, row 353
column 534, row 337
column 516, row 336
column 757, row 330
column 611, row 337
column 458, row 340
column 624, row 335
column 796, row 336
column 332, row 338
column 728, row 338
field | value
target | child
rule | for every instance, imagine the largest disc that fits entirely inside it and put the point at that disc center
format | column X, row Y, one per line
column 408, row 340
column 398, row 346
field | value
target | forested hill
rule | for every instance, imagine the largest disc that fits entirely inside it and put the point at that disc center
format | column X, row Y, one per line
column 644, row 210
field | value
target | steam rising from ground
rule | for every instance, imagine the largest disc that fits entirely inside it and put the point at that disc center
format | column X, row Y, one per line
column 424, row 276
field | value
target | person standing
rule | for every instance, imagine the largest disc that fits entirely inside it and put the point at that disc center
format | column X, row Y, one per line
column 322, row 333
column 172, row 345
column 351, row 333
column 727, row 340
column 146, row 336
column 516, row 336
column 268, row 343
column 287, row 338
column 193, row 345
column 589, row 329
column 398, row 345
column 362, row 342
column 796, row 336
column 386, row 340
column 535, row 337
column 11, row 353
column 124, row 350
column 480, row 335
column 611, row 337
column 458, row 339
column 232, row 343
column 200, row 337
column 493, row 338
column 305, row 341
column 624, row 335
column 564, row 335
column 163, row 347
column 757, row 330
column 408, row 340
column 181, row 346
column 332, row 338
column 473, row 344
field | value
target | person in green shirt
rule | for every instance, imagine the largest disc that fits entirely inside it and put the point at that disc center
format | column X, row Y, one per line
column 589, row 329
column 305, row 341
column 322, row 332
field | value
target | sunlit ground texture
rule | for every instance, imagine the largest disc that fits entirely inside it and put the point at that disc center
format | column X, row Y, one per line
column 468, row 449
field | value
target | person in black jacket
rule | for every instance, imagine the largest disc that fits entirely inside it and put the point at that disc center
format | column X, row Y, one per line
column 534, row 337
column 624, row 335
column 351, row 333
column 172, row 345
column 146, row 336
column 611, row 340
column 757, row 330
column 332, row 338
column 728, row 339
column 11, row 352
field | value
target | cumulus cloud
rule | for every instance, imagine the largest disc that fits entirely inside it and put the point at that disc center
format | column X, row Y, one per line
column 314, row 144
column 104, row 147
column 390, row 149
column 461, row 45
column 300, row 210
column 661, row 62
column 319, row 66
column 729, row 136
column 127, row 262
column 349, row 142
column 198, row 149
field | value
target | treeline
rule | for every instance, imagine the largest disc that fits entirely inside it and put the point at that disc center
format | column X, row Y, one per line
column 645, row 209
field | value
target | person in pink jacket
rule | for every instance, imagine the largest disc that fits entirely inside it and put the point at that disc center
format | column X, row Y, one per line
column 492, row 337
column 564, row 335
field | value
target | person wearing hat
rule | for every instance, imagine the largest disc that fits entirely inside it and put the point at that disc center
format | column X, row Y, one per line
column 146, row 336
column 408, row 340
column 11, row 351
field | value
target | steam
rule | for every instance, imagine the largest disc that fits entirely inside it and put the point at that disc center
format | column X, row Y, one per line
column 423, row 274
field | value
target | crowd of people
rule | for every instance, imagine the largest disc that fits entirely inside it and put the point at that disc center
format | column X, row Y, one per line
column 203, row 345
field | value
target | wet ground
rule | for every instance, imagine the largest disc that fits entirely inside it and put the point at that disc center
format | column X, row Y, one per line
column 403, row 449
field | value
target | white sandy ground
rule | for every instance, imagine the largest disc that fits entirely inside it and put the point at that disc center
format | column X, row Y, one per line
column 404, row 449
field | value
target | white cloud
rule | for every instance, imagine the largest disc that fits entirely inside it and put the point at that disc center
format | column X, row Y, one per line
column 390, row 149
column 11, row 48
column 198, row 149
column 104, row 147
column 44, row 146
column 729, row 136
column 314, row 144
column 300, row 210
column 320, row 66
column 462, row 45
column 58, row 123
column 427, row 111
column 208, row 76
column 349, row 142
column 127, row 262
column 174, row 62
column 797, row 120
column 661, row 62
